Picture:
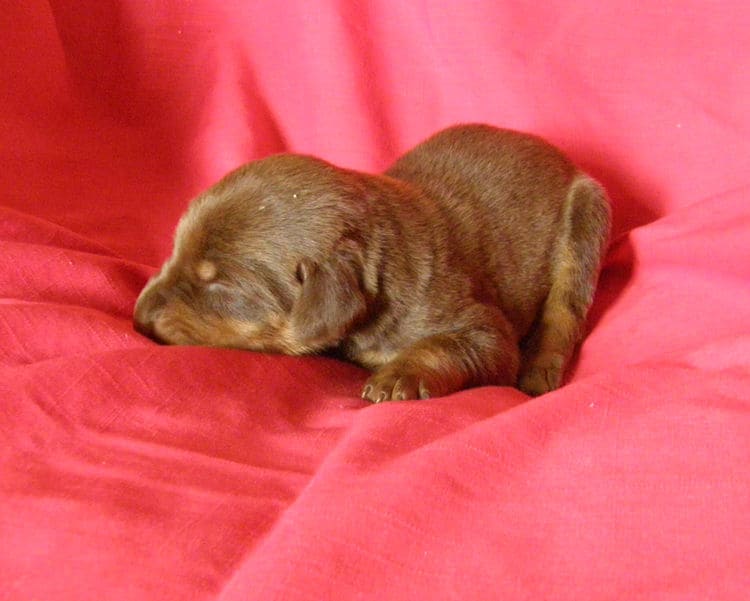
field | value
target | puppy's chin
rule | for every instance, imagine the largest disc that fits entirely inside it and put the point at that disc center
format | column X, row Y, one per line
column 184, row 329
column 175, row 329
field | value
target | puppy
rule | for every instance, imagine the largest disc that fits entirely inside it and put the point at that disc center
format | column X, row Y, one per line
column 473, row 260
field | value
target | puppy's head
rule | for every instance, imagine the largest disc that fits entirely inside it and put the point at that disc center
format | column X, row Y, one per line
column 269, row 259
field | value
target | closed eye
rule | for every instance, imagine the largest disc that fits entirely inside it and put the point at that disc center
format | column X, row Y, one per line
column 218, row 294
column 217, row 288
column 225, row 298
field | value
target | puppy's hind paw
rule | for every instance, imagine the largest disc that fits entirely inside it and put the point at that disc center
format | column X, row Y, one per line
column 542, row 376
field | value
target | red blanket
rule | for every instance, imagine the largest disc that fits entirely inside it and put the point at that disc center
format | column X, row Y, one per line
column 130, row 471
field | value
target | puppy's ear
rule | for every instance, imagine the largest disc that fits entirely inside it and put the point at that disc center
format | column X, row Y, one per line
column 331, row 298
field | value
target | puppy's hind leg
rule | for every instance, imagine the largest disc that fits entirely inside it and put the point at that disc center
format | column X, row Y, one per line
column 576, row 261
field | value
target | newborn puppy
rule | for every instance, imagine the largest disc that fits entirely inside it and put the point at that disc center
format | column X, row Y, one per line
column 473, row 260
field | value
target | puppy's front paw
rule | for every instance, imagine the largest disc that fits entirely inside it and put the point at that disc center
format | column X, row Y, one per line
column 393, row 384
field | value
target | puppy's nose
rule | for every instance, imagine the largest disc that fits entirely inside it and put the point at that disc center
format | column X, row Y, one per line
column 147, row 309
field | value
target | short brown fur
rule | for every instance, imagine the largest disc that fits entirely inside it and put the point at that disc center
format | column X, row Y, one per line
column 473, row 260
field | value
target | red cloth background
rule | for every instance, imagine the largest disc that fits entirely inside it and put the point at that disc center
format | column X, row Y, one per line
column 131, row 471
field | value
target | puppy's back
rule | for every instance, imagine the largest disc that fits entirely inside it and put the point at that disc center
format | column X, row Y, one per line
column 504, row 194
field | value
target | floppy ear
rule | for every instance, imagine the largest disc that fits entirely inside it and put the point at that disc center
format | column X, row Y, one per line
column 331, row 299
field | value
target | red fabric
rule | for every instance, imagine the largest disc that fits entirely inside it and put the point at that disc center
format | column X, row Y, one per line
column 131, row 471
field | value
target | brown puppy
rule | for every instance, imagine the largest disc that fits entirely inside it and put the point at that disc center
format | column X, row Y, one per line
column 472, row 261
